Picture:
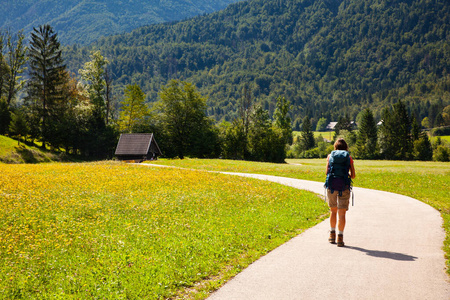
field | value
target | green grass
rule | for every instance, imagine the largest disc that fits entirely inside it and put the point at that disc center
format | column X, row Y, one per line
column 426, row 181
column 118, row 231
column 325, row 134
column 443, row 138
column 13, row 152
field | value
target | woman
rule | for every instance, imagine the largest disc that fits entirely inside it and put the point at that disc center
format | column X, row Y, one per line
column 340, row 171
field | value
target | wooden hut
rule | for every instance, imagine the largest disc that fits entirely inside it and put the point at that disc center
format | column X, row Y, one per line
column 137, row 147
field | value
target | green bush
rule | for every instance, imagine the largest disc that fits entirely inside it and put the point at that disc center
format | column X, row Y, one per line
column 442, row 153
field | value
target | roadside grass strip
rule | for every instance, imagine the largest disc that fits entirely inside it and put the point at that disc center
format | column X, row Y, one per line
column 428, row 182
column 117, row 231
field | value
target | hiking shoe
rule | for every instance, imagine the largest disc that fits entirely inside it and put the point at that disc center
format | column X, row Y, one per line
column 332, row 238
column 340, row 241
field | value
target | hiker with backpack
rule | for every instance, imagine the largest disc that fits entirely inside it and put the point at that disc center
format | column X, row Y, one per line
column 340, row 172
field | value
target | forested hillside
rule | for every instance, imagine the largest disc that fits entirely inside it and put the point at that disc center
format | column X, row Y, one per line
column 327, row 57
column 84, row 21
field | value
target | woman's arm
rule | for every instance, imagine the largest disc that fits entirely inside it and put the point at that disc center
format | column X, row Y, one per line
column 352, row 169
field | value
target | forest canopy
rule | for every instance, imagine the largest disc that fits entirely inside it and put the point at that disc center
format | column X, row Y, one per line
column 327, row 57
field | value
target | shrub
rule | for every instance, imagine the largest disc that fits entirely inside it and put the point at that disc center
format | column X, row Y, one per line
column 442, row 153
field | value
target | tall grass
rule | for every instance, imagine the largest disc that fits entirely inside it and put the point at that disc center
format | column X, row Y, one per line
column 116, row 231
column 426, row 181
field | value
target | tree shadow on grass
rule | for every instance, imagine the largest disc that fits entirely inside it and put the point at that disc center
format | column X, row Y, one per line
column 385, row 254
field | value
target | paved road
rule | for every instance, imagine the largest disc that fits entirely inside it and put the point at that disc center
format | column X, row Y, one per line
column 393, row 251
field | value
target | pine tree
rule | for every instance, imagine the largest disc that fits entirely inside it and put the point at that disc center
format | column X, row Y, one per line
column 47, row 76
column 366, row 141
column 307, row 136
column 395, row 133
column 422, row 147
column 403, row 131
column 283, row 120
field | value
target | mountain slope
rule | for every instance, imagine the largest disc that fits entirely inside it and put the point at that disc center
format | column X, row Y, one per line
column 328, row 57
column 83, row 21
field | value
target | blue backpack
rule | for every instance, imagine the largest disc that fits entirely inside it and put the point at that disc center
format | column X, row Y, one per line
column 338, row 178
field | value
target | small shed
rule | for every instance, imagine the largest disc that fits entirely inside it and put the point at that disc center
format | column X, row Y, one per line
column 137, row 147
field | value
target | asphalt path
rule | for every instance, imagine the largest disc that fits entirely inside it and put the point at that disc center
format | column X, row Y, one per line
column 393, row 250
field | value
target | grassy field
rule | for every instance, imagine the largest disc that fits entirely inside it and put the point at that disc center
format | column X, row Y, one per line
column 117, row 231
column 325, row 134
column 426, row 181
column 443, row 138
column 13, row 152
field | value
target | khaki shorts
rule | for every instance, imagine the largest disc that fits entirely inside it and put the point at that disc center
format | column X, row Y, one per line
column 341, row 202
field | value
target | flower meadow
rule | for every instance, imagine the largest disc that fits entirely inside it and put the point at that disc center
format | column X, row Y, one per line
column 116, row 231
column 423, row 180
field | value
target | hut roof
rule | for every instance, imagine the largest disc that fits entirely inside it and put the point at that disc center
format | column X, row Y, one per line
column 136, row 144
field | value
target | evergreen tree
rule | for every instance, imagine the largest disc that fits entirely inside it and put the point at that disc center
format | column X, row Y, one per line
column 387, row 133
column 366, row 141
column 395, row 133
column 18, row 127
column 134, row 110
column 403, row 129
column 422, row 147
column 283, row 120
column 47, row 76
column 344, row 123
column 415, row 129
column 307, row 136
column 5, row 116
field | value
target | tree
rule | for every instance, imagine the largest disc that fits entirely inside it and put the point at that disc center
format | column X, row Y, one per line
column 321, row 124
column 395, row 133
column 47, row 76
column 283, row 120
column 93, row 76
column 415, row 129
column 265, row 142
column 307, row 136
column 245, row 109
column 134, row 110
column 422, row 147
column 426, row 123
column 18, row 126
column 15, row 59
column 183, row 117
column 5, row 116
column 4, row 69
column 446, row 115
column 344, row 123
column 233, row 140
column 366, row 141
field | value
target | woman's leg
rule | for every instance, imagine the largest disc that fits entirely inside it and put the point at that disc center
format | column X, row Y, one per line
column 341, row 224
column 333, row 216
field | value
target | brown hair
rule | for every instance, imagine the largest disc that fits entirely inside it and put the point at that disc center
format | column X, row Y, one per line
column 340, row 144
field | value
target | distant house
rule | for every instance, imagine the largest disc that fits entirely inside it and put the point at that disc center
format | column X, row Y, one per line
column 331, row 126
column 137, row 147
